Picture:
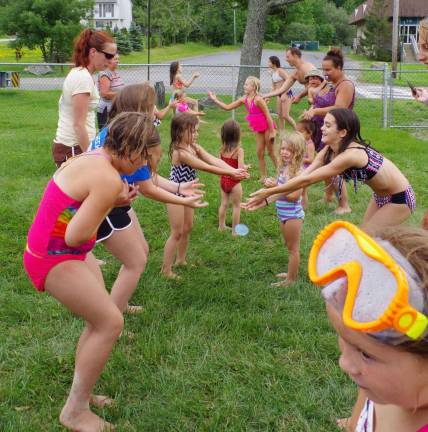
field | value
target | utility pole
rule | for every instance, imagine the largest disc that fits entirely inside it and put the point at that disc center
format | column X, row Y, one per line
column 395, row 35
column 149, row 30
column 234, row 7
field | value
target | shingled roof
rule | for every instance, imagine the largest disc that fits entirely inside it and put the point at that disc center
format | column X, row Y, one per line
column 408, row 8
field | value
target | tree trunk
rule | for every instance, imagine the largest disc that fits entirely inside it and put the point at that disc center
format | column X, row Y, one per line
column 252, row 46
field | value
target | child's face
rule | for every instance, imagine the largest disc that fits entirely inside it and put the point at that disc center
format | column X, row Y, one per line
column 331, row 136
column 285, row 152
column 386, row 374
column 314, row 81
column 300, row 128
column 249, row 87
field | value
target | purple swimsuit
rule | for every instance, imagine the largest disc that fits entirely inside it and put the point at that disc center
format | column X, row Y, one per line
column 324, row 101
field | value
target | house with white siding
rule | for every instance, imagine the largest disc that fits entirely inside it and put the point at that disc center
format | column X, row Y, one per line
column 112, row 13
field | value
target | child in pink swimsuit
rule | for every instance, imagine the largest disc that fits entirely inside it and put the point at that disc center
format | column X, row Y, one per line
column 259, row 121
column 58, row 259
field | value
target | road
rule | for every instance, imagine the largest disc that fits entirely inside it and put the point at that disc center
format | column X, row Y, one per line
column 218, row 74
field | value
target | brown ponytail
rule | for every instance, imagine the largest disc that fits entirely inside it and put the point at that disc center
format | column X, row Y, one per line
column 85, row 41
column 336, row 57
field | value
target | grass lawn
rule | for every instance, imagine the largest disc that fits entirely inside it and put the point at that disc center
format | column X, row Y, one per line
column 219, row 350
column 415, row 73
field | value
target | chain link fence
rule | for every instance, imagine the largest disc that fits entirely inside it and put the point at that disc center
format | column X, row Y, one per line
column 382, row 100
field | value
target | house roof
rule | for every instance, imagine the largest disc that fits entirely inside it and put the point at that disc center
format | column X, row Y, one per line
column 408, row 9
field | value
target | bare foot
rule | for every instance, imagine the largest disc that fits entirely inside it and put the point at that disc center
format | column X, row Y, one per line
column 343, row 423
column 262, row 179
column 342, row 210
column 170, row 275
column 101, row 262
column 133, row 309
column 101, row 401
column 284, row 282
column 84, row 421
column 180, row 263
column 281, row 275
column 224, row 228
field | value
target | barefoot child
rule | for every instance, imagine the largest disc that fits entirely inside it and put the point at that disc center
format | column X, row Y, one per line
column 259, row 121
column 382, row 327
column 58, row 256
column 187, row 156
column 233, row 154
column 307, row 129
column 348, row 155
column 121, row 232
column 289, row 207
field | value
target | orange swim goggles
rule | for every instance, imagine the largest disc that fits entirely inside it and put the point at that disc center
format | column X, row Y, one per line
column 363, row 280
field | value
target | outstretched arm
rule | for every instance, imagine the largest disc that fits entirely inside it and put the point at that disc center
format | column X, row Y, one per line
column 287, row 84
column 227, row 107
column 308, row 177
column 150, row 190
column 196, row 163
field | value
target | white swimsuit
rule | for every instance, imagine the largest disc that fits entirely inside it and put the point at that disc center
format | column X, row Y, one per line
column 276, row 77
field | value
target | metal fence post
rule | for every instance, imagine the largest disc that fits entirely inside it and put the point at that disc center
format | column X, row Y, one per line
column 233, row 89
column 385, row 96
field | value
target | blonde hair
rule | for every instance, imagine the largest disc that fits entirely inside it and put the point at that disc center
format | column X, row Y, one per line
column 255, row 82
column 412, row 243
column 297, row 144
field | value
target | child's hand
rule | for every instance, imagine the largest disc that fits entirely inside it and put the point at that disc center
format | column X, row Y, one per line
column 128, row 194
column 212, row 95
column 247, row 167
column 194, row 202
column 196, row 75
column 295, row 99
column 201, row 113
column 307, row 114
column 252, row 205
column 272, row 134
column 240, row 174
column 269, row 182
column 192, row 188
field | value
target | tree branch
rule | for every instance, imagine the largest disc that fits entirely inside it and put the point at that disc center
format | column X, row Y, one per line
column 275, row 5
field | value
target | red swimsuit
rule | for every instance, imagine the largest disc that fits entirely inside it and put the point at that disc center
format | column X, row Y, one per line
column 227, row 183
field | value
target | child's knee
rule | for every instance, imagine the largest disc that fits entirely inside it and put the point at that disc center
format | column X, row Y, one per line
column 114, row 324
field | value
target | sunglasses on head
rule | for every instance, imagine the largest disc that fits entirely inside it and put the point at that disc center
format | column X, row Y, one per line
column 108, row 56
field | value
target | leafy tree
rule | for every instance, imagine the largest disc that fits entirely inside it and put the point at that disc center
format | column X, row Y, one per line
column 376, row 40
column 50, row 25
column 123, row 41
column 298, row 31
column 136, row 37
column 325, row 34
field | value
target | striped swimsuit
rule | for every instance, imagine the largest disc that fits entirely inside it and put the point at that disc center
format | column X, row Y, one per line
column 287, row 210
column 181, row 174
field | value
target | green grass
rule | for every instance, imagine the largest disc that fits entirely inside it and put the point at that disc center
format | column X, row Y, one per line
column 415, row 73
column 219, row 350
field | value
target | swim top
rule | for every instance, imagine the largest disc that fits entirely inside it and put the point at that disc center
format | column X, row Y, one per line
column 366, row 419
column 374, row 163
column 47, row 233
column 276, row 77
